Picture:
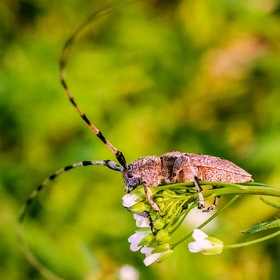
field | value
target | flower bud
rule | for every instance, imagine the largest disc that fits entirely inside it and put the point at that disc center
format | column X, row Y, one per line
column 147, row 239
column 138, row 207
column 158, row 224
column 162, row 237
column 164, row 256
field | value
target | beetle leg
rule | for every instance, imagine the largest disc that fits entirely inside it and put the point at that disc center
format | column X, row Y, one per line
column 199, row 193
column 199, row 189
column 215, row 203
column 191, row 173
column 149, row 198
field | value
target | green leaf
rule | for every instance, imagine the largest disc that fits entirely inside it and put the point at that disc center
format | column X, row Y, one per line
column 262, row 227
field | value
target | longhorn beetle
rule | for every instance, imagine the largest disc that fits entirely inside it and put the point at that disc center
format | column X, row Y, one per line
column 148, row 171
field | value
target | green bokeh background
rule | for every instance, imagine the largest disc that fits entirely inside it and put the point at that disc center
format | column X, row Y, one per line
column 194, row 76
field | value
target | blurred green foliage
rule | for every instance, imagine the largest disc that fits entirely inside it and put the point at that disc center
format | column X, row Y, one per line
column 194, row 76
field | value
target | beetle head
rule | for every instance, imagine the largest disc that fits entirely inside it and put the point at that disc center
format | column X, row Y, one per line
column 130, row 177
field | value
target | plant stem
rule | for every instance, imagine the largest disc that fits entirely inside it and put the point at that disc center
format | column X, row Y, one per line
column 240, row 189
column 238, row 245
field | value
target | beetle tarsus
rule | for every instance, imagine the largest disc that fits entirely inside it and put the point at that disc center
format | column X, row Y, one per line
column 214, row 204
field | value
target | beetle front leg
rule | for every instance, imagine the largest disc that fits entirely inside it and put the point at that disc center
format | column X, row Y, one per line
column 149, row 198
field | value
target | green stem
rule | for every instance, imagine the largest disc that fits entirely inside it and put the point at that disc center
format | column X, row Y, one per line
column 240, row 189
column 228, row 188
column 238, row 245
column 183, row 218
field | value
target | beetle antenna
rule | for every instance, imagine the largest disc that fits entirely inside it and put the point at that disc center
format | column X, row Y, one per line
column 24, row 246
column 62, row 64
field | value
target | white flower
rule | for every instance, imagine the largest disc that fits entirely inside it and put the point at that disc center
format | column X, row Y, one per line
column 200, row 243
column 147, row 250
column 150, row 258
column 205, row 244
column 129, row 200
column 141, row 221
column 160, row 254
column 138, row 238
column 128, row 272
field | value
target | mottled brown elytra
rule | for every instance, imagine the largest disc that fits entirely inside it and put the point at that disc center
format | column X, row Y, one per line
column 149, row 171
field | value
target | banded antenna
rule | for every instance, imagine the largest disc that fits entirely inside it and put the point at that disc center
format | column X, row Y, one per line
column 63, row 60
column 36, row 263
column 110, row 164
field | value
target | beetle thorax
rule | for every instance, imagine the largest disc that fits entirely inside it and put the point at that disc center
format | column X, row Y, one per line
column 143, row 171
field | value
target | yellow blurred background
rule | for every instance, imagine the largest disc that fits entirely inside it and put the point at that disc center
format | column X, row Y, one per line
column 157, row 76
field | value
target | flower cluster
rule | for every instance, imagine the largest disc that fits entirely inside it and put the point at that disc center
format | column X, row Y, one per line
column 154, row 236
column 153, row 248
column 156, row 228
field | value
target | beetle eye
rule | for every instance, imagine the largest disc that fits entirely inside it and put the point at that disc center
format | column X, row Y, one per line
column 129, row 173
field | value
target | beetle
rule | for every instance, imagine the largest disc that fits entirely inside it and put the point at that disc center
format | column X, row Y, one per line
column 178, row 167
column 149, row 171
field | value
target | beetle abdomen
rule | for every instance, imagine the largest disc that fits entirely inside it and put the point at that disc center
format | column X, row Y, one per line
column 210, row 168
